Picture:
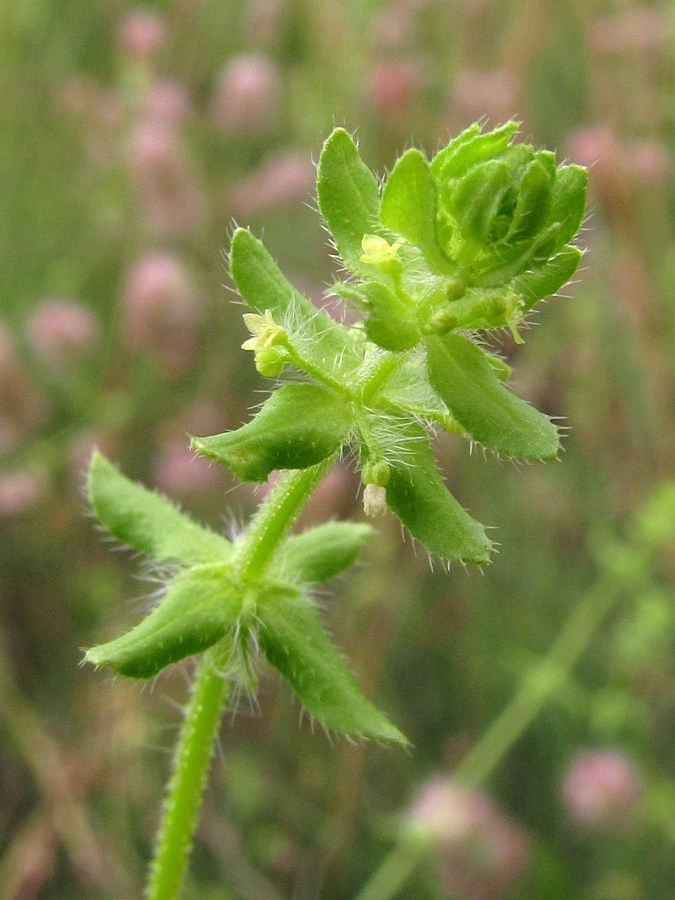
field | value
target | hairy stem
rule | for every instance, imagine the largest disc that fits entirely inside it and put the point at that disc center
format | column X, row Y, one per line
column 186, row 785
column 210, row 690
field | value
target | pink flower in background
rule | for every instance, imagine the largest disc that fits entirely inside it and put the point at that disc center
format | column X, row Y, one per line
column 61, row 333
column 165, row 102
column 480, row 853
column 247, row 94
column 492, row 93
column 392, row 88
column 161, row 310
column 283, row 178
column 20, row 491
column 142, row 34
column 21, row 408
column 162, row 178
column 600, row 789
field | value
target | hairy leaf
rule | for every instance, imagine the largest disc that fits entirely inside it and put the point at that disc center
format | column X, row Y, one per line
column 471, row 149
column 298, row 426
column 549, row 278
column 263, row 286
column 148, row 522
column 198, row 608
column 322, row 552
column 483, row 406
column 409, row 207
column 347, row 192
column 295, row 642
column 417, row 494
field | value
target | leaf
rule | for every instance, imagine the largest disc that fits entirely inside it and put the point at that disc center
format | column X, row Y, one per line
column 391, row 321
column 296, row 644
column 417, row 494
column 320, row 553
column 443, row 155
column 568, row 202
column 148, row 522
column 464, row 153
column 549, row 278
column 483, row 406
column 348, row 197
column 263, row 286
column 534, row 202
column 298, row 426
column 198, row 608
column 476, row 199
column 409, row 207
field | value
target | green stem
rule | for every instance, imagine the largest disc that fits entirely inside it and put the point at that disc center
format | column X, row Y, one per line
column 537, row 688
column 186, row 785
column 210, row 690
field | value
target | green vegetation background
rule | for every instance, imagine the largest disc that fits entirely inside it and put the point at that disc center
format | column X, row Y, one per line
column 86, row 194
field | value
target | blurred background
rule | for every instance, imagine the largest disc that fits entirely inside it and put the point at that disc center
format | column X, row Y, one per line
column 131, row 138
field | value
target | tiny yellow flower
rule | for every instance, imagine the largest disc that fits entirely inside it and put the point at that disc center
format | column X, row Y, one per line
column 379, row 252
column 265, row 331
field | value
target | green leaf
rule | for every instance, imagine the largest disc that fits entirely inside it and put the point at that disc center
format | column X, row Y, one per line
column 483, row 406
column 534, row 202
column 296, row 644
column 417, row 494
column 391, row 322
column 298, row 426
column 409, row 207
column 476, row 199
column 198, row 608
column 569, row 201
column 263, row 286
column 447, row 152
column 320, row 553
column 464, row 153
column 348, row 197
column 148, row 522
column 549, row 278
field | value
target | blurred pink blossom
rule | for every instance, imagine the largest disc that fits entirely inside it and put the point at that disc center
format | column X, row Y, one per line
column 61, row 333
column 178, row 470
column 21, row 408
column 283, row 178
column 162, row 178
column 600, row 789
column 392, row 88
column 480, row 853
column 20, row 491
column 247, row 94
column 165, row 102
column 161, row 310
column 142, row 34
column 477, row 93
column 643, row 29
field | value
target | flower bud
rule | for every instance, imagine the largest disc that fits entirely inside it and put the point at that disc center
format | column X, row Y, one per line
column 600, row 789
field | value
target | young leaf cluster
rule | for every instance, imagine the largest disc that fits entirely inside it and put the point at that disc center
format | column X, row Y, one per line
column 444, row 250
